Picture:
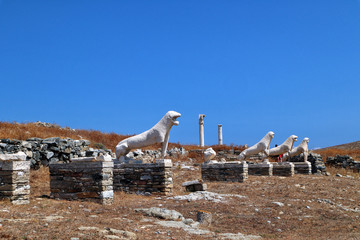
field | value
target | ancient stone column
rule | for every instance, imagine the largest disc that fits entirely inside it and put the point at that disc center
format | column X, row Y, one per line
column 201, row 129
column 220, row 134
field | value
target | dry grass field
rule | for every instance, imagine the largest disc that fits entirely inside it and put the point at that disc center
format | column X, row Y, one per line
column 299, row 207
column 331, row 152
column 23, row 131
column 314, row 207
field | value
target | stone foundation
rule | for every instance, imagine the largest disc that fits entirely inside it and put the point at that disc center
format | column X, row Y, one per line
column 88, row 179
column 228, row 172
column 317, row 164
column 285, row 169
column 14, row 178
column 261, row 169
column 144, row 177
column 302, row 167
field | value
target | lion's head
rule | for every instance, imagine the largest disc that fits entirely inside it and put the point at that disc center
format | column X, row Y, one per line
column 291, row 140
column 304, row 142
column 271, row 134
column 294, row 138
column 172, row 115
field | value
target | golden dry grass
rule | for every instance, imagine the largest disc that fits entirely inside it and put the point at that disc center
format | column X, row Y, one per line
column 256, row 214
column 332, row 152
column 301, row 217
column 23, row 131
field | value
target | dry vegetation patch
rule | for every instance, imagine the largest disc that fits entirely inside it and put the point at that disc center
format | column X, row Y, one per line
column 296, row 207
column 299, row 207
column 332, row 152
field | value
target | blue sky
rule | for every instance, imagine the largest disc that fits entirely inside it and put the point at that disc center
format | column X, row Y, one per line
column 292, row 67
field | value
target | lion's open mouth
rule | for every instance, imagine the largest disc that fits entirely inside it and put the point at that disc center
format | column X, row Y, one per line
column 175, row 122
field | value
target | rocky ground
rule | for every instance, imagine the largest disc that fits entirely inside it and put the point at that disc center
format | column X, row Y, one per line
column 299, row 207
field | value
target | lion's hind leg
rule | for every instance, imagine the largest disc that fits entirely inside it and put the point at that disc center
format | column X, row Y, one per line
column 121, row 150
column 242, row 156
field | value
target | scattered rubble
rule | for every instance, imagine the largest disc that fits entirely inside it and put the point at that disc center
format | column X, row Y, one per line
column 204, row 218
column 340, row 206
column 111, row 233
column 280, row 204
column 189, row 225
column 343, row 161
column 209, row 196
column 161, row 213
column 149, row 155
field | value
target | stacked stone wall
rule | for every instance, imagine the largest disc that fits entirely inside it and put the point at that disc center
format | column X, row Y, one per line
column 144, row 177
column 285, row 169
column 228, row 172
column 14, row 178
column 50, row 150
column 261, row 169
column 343, row 162
column 302, row 167
column 317, row 163
column 82, row 179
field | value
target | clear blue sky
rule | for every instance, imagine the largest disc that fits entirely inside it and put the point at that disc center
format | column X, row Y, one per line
column 292, row 67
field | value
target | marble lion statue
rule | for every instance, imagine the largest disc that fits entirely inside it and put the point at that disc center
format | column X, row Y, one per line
column 302, row 148
column 260, row 147
column 209, row 154
column 157, row 134
column 286, row 147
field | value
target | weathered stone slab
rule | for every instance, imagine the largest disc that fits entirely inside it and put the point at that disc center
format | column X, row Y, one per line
column 13, row 157
column 193, row 186
column 15, row 165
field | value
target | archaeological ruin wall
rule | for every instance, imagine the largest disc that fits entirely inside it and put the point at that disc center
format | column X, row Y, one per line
column 88, row 179
column 42, row 152
column 14, row 178
column 155, row 178
column 227, row 172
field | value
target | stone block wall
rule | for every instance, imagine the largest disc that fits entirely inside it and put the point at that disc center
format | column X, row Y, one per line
column 228, row 172
column 261, row 169
column 88, row 179
column 144, row 177
column 317, row 163
column 344, row 161
column 50, row 150
column 14, row 178
column 302, row 167
column 285, row 169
